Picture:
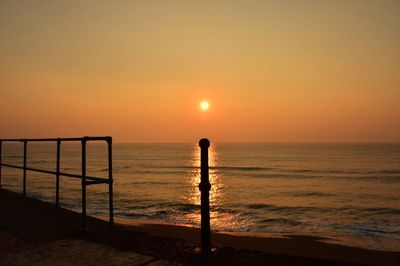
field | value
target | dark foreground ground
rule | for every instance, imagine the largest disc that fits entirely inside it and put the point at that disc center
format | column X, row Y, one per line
column 37, row 233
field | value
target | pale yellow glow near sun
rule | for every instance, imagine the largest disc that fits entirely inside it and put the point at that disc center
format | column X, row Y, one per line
column 204, row 105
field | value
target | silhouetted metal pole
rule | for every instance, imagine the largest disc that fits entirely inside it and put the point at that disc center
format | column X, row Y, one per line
column 24, row 181
column 58, row 173
column 110, row 181
column 84, row 184
column 205, row 187
column 1, row 148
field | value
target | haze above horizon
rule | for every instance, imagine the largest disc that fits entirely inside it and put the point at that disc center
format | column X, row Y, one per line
column 270, row 71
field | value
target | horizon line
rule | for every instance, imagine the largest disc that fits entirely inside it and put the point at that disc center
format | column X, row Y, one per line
column 261, row 142
column 242, row 142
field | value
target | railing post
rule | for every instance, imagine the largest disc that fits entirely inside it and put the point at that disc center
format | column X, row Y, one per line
column 205, row 187
column 110, row 181
column 58, row 173
column 83, row 184
column 24, row 181
column 1, row 148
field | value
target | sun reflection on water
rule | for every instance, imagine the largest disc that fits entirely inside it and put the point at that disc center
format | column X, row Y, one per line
column 215, row 180
column 193, row 180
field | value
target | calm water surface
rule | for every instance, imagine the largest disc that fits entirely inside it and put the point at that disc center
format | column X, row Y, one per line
column 347, row 191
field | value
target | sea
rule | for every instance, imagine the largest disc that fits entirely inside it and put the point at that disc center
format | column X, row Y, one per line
column 346, row 192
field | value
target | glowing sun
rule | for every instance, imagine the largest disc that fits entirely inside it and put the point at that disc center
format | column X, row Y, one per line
column 204, row 105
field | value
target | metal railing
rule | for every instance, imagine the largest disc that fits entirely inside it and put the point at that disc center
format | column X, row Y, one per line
column 86, row 180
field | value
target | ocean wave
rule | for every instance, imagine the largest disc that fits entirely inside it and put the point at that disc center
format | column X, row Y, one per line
column 241, row 168
column 233, row 168
column 115, row 168
column 381, row 210
column 390, row 171
column 271, row 175
column 370, row 229
column 158, row 172
column 373, row 178
column 149, row 183
column 339, row 171
column 155, row 206
column 183, row 207
column 281, row 221
column 354, row 210
column 262, row 172
column 300, row 171
column 13, row 156
column 309, row 194
column 288, row 175
column 159, row 210
column 39, row 161
column 134, row 215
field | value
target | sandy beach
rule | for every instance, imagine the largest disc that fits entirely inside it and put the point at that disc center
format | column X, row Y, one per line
column 67, row 252
column 36, row 233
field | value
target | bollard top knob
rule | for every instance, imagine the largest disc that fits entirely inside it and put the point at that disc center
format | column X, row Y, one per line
column 204, row 143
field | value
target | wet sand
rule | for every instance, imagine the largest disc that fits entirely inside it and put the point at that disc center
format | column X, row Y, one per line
column 36, row 226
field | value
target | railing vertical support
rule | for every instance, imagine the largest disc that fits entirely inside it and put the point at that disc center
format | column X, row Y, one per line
column 83, row 184
column 205, row 187
column 58, row 173
column 1, row 148
column 110, row 181
column 24, row 181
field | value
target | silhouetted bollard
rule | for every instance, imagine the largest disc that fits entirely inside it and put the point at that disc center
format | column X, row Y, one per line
column 205, row 187
column 24, row 180
column 110, row 181
column 1, row 142
column 58, row 172
column 83, row 142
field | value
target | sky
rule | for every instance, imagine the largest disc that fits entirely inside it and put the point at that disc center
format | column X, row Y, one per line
column 272, row 71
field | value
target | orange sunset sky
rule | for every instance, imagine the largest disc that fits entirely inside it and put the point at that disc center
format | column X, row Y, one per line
column 272, row 71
